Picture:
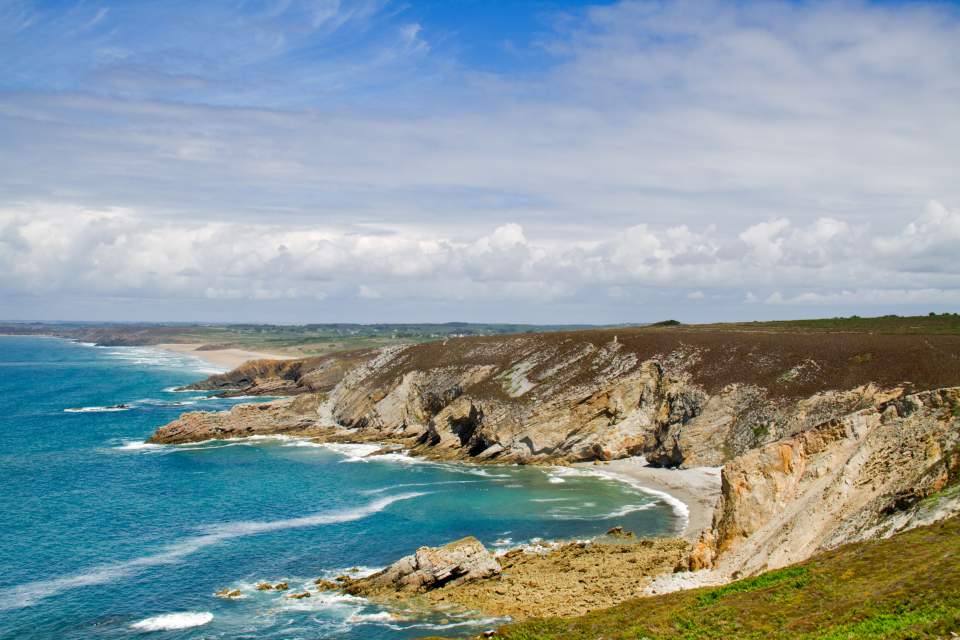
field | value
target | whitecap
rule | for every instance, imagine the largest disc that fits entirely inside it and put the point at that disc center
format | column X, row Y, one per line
column 628, row 508
column 27, row 594
column 401, row 457
column 679, row 507
column 325, row 600
column 108, row 409
column 367, row 618
column 138, row 445
column 370, row 492
column 173, row 621
column 356, row 571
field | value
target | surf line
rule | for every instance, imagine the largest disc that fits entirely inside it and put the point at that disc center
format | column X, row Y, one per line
column 31, row 593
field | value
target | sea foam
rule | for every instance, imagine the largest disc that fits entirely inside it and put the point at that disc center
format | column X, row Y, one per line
column 108, row 409
column 173, row 621
column 30, row 593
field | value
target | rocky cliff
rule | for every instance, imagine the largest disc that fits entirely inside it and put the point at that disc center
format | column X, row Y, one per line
column 679, row 397
column 888, row 467
column 824, row 438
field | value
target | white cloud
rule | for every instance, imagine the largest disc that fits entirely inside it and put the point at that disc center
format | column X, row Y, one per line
column 55, row 249
column 738, row 150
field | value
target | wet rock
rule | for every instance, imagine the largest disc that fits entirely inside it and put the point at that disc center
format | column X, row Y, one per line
column 326, row 585
column 281, row 586
column 264, row 586
column 299, row 596
column 618, row 532
column 227, row 592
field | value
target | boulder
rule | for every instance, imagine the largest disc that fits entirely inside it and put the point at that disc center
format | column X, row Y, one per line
column 430, row 568
column 227, row 592
column 326, row 585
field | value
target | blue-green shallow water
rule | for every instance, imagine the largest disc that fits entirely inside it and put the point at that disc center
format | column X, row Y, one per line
column 98, row 533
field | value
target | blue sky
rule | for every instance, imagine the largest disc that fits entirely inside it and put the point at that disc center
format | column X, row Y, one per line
column 543, row 161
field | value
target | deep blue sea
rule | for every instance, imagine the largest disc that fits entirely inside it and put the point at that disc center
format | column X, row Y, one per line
column 104, row 537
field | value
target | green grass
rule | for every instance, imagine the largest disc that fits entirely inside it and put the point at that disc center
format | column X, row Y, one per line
column 798, row 577
column 904, row 587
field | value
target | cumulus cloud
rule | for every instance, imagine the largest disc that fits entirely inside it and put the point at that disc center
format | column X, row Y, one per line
column 52, row 249
column 643, row 153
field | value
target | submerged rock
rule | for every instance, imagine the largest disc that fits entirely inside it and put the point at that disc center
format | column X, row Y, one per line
column 430, row 568
column 299, row 596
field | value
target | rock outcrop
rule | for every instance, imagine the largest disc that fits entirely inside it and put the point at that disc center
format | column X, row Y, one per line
column 284, row 416
column 429, row 568
column 822, row 439
column 868, row 474
column 680, row 398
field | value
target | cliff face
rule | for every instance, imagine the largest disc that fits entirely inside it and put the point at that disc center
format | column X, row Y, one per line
column 284, row 377
column 871, row 473
column 686, row 398
column 825, row 439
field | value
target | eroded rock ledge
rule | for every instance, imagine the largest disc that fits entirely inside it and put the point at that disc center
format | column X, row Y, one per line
column 566, row 580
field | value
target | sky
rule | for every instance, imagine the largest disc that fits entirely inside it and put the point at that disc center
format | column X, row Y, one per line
column 298, row 161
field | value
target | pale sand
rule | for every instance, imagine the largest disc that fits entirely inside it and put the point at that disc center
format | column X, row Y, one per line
column 229, row 358
column 698, row 488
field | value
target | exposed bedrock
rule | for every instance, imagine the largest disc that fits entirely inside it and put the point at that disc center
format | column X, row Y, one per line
column 430, row 568
column 888, row 467
column 678, row 398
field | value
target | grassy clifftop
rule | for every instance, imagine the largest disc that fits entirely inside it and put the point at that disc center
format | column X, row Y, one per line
column 904, row 587
column 932, row 324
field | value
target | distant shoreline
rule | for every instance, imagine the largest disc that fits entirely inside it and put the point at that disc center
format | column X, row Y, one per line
column 229, row 358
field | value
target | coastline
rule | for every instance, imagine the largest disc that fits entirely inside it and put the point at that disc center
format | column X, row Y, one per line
column 697, row 488
column 227, row 358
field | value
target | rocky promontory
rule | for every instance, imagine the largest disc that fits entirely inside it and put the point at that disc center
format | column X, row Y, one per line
column 562, row 579
column 824, row 438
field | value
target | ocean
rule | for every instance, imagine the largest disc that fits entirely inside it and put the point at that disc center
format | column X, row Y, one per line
column 102, row 536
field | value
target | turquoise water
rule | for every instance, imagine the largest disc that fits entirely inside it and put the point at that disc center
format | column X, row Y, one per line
column 100, row 535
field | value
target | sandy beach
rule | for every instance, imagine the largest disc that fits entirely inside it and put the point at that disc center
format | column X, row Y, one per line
column 228, row 358
column 697, row 488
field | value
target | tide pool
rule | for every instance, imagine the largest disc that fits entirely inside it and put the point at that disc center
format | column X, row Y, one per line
column 102, row 536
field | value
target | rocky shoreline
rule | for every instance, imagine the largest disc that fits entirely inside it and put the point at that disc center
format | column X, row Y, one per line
column 787, row 445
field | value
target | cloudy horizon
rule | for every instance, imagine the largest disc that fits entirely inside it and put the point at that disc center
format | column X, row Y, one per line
column 546, row 162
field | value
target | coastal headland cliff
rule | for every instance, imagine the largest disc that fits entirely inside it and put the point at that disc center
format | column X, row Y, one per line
column 824, row 438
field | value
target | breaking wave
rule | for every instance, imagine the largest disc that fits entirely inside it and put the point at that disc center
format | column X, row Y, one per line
column 173, row 621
